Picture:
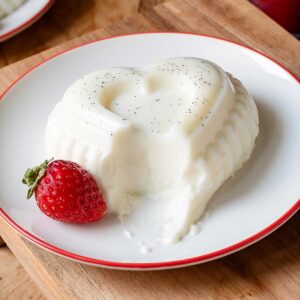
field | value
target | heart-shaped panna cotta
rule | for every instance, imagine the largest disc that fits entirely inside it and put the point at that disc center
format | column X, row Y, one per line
column 159, row 140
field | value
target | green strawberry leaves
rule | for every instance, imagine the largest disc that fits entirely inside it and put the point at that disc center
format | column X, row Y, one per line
column 34, row 175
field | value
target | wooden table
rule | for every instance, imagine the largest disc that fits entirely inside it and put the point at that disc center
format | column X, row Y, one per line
column 269, row 269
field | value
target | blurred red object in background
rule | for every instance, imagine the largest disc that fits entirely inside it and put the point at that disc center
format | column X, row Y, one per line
column 284, row 12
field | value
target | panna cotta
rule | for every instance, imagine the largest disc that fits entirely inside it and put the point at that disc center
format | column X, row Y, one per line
column 172, row 131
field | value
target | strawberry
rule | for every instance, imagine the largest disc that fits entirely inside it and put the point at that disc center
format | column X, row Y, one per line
column 65, row 191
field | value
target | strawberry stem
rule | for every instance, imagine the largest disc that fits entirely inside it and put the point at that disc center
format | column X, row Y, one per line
column 34, row 175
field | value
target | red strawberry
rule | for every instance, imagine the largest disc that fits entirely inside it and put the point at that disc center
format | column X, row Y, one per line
column 65, row 191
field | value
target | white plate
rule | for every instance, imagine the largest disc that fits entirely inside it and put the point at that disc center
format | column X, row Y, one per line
column 23, row 17
column 261, row 197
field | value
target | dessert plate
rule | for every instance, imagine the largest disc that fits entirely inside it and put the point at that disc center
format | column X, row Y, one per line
column 28, row 13
column 257, row 200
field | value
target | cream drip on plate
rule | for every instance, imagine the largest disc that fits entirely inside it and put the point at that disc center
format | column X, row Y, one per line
column 159, row 140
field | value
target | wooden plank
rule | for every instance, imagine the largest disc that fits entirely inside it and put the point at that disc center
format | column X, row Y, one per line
column 146, row 5
column 64, row 21
column 270, row 268
column 192, row 20
column 15, row 283
column 2, row 243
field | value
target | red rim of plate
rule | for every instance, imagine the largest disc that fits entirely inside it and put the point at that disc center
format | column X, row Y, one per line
column 27, row 23
column 153, row 265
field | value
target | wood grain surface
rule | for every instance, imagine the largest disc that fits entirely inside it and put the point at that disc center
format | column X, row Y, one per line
column 269, row 269
column 2, row 243
column 64, row 21
column 15, row 283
